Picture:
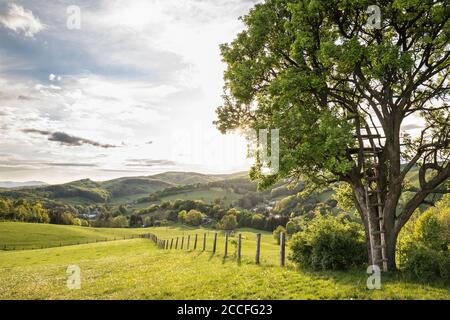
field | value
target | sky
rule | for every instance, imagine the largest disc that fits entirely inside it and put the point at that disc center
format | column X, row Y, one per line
column 132, row 91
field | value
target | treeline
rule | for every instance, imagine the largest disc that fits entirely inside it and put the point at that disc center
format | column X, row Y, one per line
column 21, row 210
column 212, row 214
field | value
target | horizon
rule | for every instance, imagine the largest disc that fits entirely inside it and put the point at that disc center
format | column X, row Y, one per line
column 126, row 176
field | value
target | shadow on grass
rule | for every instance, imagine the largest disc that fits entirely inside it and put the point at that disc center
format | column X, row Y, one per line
column 359, row 277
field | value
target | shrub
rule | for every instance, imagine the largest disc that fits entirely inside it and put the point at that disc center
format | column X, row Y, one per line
column 291, row 228
column 76, row 222
column 228, row 222
column 193, row 218
column 276, row 233
column 258, row 221
column 67, row 218
column 423, row 245
column 182, row 216
column 329, row 243
column 120, row 222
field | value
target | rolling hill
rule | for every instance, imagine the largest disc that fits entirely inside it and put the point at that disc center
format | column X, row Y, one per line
column 125, row 189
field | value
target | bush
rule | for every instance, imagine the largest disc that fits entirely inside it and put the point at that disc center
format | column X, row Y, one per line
column 193, row 218
column 182, row 216
column 329, row 243
column 228, row 222
column 276, row 233
column 258, row 221
column 291, row 228
column 120, row 222
column 67, row 218
column 424, row 243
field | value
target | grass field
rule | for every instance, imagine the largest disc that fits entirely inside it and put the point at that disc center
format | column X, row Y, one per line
column 31, row 235
column 137, row 269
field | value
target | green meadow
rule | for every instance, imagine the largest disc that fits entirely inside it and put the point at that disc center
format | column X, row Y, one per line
column 138, row 269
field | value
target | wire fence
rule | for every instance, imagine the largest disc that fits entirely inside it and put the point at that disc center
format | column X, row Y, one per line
column 55, row 244
column 196, row 242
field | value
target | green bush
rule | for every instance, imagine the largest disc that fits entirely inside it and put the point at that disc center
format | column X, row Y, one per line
column 329, row 243
column 120, row 222
column 276, row 233
column 423, row 245
column 291, row 228
column 193, row 218
column 228, row 222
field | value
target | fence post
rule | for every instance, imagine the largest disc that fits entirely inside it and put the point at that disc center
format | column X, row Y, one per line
column 282, row 249
column 167, row 244
column 204, row 241
column 226, row 245
column 239, row 244
column 195, row 242
column 215, row 242
column 171, row 243
column 176, row 244
column 182, row 242
column 188, row 241
column 258, row 247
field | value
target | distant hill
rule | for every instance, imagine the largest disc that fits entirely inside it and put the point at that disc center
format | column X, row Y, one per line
column 119, row 190
column 12, row 184
column 184, row 178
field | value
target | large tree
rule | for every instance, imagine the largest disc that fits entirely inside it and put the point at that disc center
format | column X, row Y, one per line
column 336, row 87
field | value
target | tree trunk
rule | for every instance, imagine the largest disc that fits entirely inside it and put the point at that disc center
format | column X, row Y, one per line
column 369, row 218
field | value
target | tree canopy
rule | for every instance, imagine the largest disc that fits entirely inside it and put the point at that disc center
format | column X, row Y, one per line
column 317, row 71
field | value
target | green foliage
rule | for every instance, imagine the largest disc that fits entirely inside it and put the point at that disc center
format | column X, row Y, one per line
column 136, row 221
column 22, row 210
column 193, row 218
column 329, row 242
column 276, row 233
column 120, row 222
column 228, row 222
column 182, row 216
column 258, row 221
column 291, row 228
column 343, row 196
column 424, row 244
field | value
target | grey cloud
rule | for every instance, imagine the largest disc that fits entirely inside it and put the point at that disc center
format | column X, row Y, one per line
column 70, row 164
column 12, row 162
column 148, row 163
column 67, row 139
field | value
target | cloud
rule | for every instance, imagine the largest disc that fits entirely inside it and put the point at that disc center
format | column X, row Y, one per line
column 54, row 77
column 67, row 164
column 66, row 139
column 148, row 163
column 21, row 20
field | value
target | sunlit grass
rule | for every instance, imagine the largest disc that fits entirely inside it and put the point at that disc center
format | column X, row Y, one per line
column 137, row 269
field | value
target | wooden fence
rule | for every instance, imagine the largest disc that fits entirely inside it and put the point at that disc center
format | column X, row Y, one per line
column 172, row 243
